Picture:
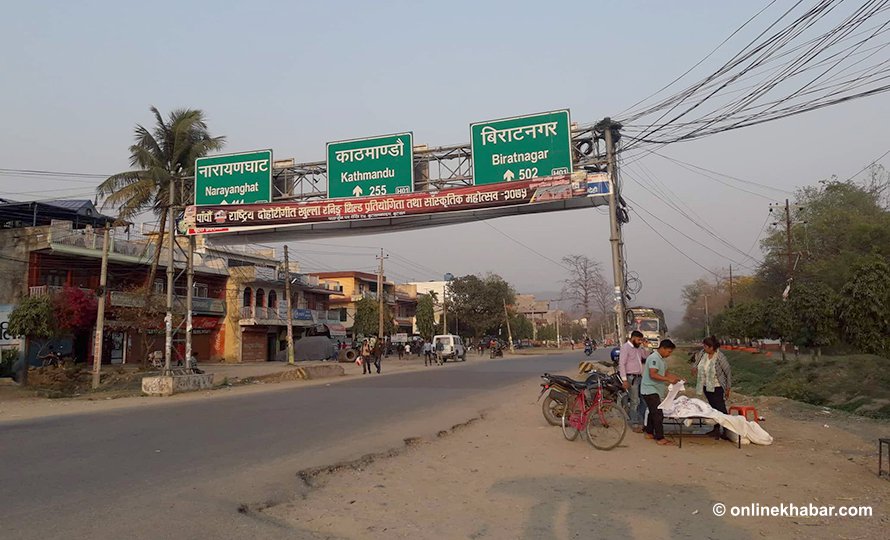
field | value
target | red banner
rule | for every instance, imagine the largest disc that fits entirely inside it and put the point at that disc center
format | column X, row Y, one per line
column 209, row 219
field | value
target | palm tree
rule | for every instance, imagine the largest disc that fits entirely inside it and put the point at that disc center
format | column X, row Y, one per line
column 166, row 153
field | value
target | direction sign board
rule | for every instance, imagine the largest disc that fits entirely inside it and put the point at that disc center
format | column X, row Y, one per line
column 372, row 166
column 244, row 178
column 521, row 148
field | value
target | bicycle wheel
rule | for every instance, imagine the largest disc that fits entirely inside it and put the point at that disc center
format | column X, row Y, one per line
column 606, row 427
column 571, row 417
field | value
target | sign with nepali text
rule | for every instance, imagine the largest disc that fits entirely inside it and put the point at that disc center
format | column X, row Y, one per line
column 243, row 178
column 220, row 219
column 521, row 148
column 371, row 167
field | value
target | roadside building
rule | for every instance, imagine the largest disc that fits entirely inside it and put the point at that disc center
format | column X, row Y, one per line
column 402, row 299
column 533, row 309
column 43, row 260
column 437, row 288
column 256, row 321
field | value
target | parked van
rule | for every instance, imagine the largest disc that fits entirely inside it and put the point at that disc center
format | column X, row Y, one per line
column 449, row 347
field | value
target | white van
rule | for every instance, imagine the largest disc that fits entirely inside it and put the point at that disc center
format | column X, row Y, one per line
column 449, row 346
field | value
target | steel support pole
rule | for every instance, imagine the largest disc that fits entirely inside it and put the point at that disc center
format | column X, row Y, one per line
column 189, row 296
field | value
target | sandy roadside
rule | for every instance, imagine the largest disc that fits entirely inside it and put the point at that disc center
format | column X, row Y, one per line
column 510, row 475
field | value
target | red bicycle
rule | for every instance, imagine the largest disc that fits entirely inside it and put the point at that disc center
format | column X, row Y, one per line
column 601, row 418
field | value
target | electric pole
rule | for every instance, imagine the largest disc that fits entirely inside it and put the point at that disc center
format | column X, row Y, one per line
column 707, row 318
column 380, row 294
column 790, row 255
column 788, row 241
column 731, row 299
column 509, row 332
column 288, row 304
column 168, row 317
column 615, row 239
column 189, row 300
column 100, row 315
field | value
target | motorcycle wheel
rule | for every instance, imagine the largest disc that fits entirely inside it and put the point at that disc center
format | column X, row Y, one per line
column 552, row 409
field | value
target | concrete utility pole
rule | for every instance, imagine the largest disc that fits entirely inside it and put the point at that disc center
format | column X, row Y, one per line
column 707, row 318
column 380, row 294
column 790, row 264
column 189, row 299
column 168, row 318
column 615, row 226
column 558, row 340
column 290, row 312
column 509, row 332
column 731, row 299
column 100, row 315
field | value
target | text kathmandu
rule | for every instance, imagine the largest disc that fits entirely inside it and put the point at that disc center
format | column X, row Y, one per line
column 372, row 175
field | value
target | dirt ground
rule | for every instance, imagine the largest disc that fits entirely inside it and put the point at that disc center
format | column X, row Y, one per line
column 508, row 474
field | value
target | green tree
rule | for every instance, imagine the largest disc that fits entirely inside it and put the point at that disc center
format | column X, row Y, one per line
column 367, row 321
column 426, row 319
column 479, row 302
column 163, row 154
column 813, row 307
column 864, row 307
column 520, row 326
column 33, row 318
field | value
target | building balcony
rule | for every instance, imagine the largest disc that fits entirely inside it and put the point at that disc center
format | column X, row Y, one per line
column 206, row 306
column 47, row 290
column 258, row 315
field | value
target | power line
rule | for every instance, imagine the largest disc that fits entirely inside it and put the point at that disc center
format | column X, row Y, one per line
column 536, row 252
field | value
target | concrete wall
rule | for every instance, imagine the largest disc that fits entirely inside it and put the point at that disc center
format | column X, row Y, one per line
column 15, row 248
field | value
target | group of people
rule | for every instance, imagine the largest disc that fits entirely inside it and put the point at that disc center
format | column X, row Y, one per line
column 646, row 378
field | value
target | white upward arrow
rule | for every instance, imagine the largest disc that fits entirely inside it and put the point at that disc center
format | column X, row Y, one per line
column 508, row 175
column 357, row 192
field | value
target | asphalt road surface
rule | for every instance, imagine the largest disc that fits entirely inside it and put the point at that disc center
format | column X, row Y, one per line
column 181, row 470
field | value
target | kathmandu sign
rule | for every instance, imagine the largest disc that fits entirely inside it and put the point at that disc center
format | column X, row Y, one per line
column 243, row 178
column 521, row 148
column 371, row 167
column 221, row 219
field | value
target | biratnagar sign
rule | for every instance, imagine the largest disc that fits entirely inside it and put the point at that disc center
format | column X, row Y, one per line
column 521, row 148
column 244, row 178
column 373, row 166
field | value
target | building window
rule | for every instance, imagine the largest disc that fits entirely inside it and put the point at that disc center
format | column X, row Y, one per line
column 273, row 299
column 343, row 314
column 201, row 290
column 248, row 297
column 160, row 287
column 260, row 297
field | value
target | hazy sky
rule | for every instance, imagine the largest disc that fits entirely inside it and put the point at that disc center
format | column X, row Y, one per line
column 77, row 77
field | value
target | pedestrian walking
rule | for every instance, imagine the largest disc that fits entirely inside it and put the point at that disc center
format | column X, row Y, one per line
column 401, row 351
column 630, row 367
column 365, row 353
column 378, row 354
column 427, row 353
column 654, row 390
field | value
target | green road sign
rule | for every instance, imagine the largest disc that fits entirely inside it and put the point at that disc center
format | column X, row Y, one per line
column 374, row 166
column 244, row 178
column 521, row 148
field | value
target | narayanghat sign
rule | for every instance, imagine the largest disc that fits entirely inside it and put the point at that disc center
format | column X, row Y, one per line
column 231, row 218
column 243, row 178
column 521, row 148
column 371, row 167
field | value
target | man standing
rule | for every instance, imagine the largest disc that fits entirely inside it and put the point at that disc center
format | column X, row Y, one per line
column 630, row 367
column 365, row 353
column 654, row 389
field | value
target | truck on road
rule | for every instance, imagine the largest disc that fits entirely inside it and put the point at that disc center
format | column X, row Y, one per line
column 649, row 321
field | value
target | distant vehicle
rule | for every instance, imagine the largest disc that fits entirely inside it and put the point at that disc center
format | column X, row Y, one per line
column 649, row 321
column 449, row 347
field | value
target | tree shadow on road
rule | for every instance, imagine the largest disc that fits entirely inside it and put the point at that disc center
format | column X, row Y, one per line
column 588, row 508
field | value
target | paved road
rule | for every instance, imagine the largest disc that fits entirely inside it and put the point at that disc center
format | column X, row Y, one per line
column 181, row 470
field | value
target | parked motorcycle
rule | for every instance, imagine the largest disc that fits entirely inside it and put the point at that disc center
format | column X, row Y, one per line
column 557, row 395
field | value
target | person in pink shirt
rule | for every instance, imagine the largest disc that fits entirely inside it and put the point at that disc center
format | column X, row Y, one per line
column 630, row 367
